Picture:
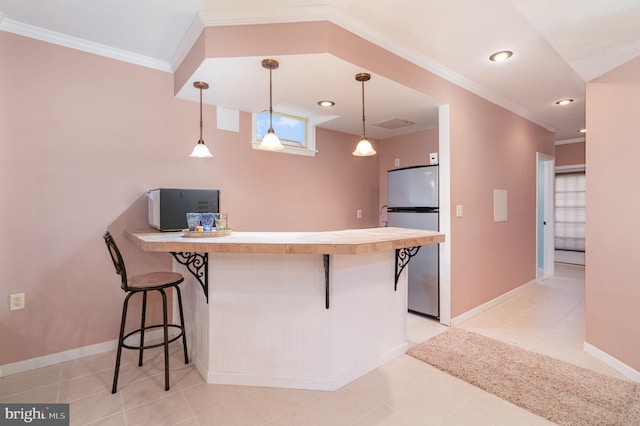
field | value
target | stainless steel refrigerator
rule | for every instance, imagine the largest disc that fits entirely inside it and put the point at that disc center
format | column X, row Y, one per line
column 412, row 202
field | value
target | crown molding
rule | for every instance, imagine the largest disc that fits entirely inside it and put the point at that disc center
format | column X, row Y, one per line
column 568, row 141
column 218, row 18
column 378, row 38
column 353, row 25
column 60, row 39
column 270, row 16
column 189, row 39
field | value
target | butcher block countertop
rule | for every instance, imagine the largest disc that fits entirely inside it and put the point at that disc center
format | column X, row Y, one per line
column 350, row 241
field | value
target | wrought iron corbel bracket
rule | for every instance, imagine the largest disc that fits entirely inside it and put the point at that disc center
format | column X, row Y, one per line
column 325, row 261
column 403, row 256
column 198, row 265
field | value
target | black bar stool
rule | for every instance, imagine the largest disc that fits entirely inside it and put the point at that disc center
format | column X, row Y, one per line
column 151, row 281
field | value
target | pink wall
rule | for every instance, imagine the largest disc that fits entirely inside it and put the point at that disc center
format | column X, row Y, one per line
column 570, row 154
column 83, row 137
column 490, row 148
column 613, row 234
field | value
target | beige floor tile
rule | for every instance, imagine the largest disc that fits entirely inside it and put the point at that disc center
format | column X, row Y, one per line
column 492, row 319
column 30, row 380
column 428, row 402
column 143, row 391
column 204, row 397
column 115, row 420
column 392, row 380
column 237, row 412
column 131, row 372
column 546, row 317
column 186, row 377
column 524, row 337
column 169, row 410
column 83, row 386
column 272, row 402
column 38, row 395
column 87, row 365
column 94, row 407
column 489, row 410
column 420, row 328
column 341, row 407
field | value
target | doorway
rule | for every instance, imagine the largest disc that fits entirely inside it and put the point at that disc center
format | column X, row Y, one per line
column 545, row 223
column 570, row 212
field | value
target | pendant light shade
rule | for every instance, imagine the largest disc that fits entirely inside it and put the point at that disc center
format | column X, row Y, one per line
column 201, row 150
column 270, row 141
column 364, row 148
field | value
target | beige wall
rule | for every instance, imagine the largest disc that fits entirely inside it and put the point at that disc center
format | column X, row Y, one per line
column 83, row 137
column 612, row 233
column 570, row 154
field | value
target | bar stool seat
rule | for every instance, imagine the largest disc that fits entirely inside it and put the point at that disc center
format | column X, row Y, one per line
column 143, row 283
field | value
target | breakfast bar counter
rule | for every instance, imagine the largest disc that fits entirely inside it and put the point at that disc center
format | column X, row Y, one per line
column 349, row 241
column 307, row 310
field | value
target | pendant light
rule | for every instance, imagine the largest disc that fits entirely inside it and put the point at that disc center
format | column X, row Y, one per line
column 201, row 150
column 270, row 141
column 364, row 148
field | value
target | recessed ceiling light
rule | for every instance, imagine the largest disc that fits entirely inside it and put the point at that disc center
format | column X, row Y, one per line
column 582, row 131
column 326, row 103
column 566, row 101
column 503, row 55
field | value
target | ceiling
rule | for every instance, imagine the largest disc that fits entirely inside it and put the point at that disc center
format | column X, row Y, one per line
column 558, row 46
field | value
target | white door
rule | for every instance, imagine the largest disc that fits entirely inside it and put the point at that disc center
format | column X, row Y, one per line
column 545, row 216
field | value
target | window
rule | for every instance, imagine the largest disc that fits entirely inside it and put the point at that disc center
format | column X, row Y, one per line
column 570, row 211
column 297, row 134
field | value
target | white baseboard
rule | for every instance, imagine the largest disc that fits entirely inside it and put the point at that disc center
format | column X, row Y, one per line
column 51, row 359
column 309, row 383
column 490, row 304
column 70, row 355
column 612, row 362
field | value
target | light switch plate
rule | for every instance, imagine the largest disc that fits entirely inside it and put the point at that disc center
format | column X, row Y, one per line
column 433, row 158
column 499, row 205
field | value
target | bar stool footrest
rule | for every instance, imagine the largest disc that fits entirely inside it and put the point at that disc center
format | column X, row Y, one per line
column 155, row 345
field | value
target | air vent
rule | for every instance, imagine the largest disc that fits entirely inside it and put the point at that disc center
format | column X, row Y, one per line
column 394, row 123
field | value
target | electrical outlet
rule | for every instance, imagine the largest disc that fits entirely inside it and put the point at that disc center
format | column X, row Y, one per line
column 397, row 162
column 459, row 210
column 359, row 214
column 16, row 301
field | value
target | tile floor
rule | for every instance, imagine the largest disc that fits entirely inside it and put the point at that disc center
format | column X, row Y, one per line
column 547, row 317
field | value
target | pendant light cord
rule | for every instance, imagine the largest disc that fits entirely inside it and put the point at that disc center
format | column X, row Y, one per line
column 363, row 127
column 200, row 114
column 270, row 101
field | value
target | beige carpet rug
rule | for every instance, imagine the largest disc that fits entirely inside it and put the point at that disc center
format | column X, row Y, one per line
column 561, row 392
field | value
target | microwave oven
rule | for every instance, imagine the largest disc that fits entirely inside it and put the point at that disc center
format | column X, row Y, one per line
column 168, row 207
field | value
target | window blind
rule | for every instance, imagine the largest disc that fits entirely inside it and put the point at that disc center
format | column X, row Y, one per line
column 570, row 211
